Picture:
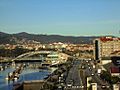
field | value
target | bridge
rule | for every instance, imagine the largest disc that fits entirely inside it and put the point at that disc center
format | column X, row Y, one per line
column 28, row 54
column 26, row 57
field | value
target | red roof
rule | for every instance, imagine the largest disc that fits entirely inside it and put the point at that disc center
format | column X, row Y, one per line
column 115, row 70
column 104, row 39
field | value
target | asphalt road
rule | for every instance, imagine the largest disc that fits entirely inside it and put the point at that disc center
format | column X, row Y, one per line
column 95, row 78
column 77, row 76
column 74, row 75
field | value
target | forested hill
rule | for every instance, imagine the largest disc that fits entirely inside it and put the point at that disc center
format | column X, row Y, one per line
column 6, row 38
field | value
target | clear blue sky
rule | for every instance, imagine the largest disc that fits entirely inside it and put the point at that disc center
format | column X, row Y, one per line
column 63, row 17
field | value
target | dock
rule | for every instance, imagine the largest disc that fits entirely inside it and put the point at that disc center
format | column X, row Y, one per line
column 15, row 74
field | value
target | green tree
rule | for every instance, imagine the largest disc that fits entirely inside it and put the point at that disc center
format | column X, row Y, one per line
column 106, row 76
column 115, row 79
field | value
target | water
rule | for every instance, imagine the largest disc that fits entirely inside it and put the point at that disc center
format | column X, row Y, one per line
column 26, row 75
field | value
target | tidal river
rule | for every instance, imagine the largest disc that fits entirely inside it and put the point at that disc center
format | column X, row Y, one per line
column 28, row 73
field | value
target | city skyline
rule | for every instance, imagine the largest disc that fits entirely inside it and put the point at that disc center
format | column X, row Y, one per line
column 61, row 17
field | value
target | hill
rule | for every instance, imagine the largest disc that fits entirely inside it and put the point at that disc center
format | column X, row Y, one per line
column 22, row 37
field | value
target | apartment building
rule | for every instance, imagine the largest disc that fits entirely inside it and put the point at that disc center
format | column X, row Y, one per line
column 105, row 47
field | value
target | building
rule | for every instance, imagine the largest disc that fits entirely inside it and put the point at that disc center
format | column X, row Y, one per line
column 105, row 47
column 115, row 71
column 94, row 86
column 88, row 81
column 56, row 58
column 97, row 49
column 115, row 60
column 116, row 87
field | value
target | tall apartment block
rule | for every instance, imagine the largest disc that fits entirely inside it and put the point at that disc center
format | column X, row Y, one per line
column 105, row 47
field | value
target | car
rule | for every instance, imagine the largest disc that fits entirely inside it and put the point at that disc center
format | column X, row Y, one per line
column 81, row 86
column 73, row 86
column 89, row 59
column 103, row 86
column 82, row 67
column 59, row 86
column 92, row 74
column 90, row 69
column 70, row 83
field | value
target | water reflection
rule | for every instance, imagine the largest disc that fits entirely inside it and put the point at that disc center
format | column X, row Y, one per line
column 30, row 72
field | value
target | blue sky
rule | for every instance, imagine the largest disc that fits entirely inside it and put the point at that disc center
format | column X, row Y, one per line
column 63, row 17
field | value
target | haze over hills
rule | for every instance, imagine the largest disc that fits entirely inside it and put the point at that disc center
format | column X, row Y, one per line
column 6, row 38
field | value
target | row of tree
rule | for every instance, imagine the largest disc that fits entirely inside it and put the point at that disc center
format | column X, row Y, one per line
column 110, row 79
column 12, row 53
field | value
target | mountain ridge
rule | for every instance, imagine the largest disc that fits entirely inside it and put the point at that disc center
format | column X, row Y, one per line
column 6, row 38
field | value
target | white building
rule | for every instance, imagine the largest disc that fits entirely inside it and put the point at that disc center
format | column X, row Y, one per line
column 105, row 46
column 56, row 58
column 116, row 87
column 94, row 86
column 88, row 81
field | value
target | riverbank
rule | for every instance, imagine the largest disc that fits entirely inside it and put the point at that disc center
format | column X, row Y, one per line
column 51, row 82
column 27, row 74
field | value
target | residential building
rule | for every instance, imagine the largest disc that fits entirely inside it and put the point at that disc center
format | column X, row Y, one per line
column 116, row 87
column 105, row 47
column 94, row 86
column 115, row 71
column 88, row 81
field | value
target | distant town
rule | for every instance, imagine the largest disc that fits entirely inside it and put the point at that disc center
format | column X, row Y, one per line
column 93, row 64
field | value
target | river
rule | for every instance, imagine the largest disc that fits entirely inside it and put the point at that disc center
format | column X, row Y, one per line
column 27, row 74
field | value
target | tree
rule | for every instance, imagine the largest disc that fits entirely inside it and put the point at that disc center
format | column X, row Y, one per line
column 106, row 76
column 111, row 79
column 115, row 79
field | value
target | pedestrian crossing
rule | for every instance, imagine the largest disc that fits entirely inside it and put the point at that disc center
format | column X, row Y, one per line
column 74, row 87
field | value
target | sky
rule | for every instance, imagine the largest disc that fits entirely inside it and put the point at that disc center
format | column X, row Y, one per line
column 62, row 17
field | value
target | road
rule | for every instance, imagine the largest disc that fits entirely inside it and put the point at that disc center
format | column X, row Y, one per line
column 76, row 79
column 74, row 76
column 90, row 71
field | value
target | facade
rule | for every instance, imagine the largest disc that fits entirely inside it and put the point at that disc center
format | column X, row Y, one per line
column 97, row 49
column 94, row 86
column 105, row 47
column 81, row 47
column 56, row 58
column 116, row 87
column 115, row 60
column 88, row 81
column 115, row 71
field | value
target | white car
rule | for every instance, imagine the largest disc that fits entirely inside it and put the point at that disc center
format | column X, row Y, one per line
column 70, row 83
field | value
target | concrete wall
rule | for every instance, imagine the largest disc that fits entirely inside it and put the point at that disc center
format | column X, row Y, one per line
column 34, row 85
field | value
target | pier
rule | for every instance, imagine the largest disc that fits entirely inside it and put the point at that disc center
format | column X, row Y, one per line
column 15, row 74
